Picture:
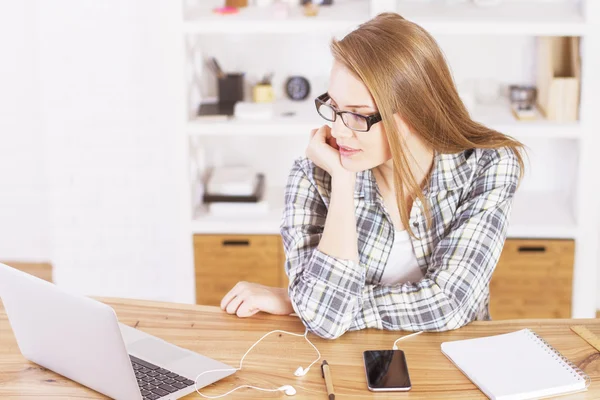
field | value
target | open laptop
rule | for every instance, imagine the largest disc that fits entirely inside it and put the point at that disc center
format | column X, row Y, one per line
column 81, row 339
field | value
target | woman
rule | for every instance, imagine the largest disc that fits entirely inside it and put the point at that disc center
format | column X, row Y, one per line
column 397, row 217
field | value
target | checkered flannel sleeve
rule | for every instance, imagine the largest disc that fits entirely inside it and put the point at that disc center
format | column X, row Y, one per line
column 331, row 297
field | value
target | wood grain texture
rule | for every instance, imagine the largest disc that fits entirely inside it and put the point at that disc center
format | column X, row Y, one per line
column 531, row 283
column 272, row 363
column 41, row 270
column 284, row 282
column 221, row 261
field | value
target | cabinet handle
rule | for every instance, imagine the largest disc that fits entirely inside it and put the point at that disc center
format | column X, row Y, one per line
column 532, row 249
column 236, row 243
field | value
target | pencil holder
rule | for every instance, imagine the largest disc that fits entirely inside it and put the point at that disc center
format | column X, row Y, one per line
column 262, row 93
column 231, row 88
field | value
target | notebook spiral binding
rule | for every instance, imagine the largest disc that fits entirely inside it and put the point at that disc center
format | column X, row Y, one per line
column 556, row 354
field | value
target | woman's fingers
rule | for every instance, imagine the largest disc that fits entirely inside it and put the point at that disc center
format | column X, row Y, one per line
column 247, row 309
column 234, row 304
column 332, row 142
column 322, row 133
column 227, row 298
column 232, row 294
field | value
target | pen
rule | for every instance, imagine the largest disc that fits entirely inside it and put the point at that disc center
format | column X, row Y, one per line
column 326, row 372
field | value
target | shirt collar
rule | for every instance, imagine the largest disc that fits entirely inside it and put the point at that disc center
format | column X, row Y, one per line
column 450, row 172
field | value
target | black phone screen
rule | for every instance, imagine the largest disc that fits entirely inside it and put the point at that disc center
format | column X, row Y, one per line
column 386, row 370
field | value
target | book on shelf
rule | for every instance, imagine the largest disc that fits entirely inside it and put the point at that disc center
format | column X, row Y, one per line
column 215, row 111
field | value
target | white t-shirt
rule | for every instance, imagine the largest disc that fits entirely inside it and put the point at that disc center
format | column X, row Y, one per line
column 402, row 265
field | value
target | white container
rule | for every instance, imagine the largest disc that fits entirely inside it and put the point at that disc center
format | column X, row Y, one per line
column 254, row 111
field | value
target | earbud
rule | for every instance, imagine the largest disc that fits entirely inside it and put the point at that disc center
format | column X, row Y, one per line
column 301, row 371
column 287, row 389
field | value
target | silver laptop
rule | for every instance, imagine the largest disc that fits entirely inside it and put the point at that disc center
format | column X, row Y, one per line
column 81, row 339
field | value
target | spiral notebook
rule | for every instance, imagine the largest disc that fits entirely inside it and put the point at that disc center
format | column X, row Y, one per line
column 515, row 366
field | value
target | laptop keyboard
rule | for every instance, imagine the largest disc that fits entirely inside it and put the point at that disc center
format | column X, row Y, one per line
column 156, row 382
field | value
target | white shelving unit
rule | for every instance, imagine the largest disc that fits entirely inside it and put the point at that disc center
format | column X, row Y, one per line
column 536, row 214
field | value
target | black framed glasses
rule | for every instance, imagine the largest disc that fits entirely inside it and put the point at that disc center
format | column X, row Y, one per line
column 354, row 121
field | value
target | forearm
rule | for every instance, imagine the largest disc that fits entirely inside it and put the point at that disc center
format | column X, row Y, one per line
column 398, row 307
column 326, row 288
column 339, row 237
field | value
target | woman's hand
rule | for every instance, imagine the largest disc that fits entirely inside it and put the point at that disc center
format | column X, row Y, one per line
column 247, row 299
column 324, row 151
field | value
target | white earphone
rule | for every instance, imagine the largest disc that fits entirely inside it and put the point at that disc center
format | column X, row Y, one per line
column 287, row 389
column 300, row 371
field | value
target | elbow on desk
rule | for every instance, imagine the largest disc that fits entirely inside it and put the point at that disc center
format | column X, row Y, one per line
column 323, row 330
column 449, row 315
column 454, row 312
column 317, row 322
column 457, row 317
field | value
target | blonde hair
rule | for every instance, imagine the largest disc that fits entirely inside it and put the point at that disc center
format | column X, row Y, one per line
column 406, row 72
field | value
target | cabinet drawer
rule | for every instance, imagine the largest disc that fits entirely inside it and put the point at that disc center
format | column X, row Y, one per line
column 221, row 261
column 533, row 279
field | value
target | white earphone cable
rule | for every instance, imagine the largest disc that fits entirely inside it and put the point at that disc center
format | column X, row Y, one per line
column 242, row 360
column 234, row 389
column 405, row 337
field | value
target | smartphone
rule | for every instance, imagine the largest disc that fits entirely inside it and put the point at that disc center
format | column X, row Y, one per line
column 386, row 370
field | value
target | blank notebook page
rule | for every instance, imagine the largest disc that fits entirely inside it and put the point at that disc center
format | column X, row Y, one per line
column 517, row 365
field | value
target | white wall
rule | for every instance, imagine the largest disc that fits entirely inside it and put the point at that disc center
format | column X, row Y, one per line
column 24, row 230
column 110, row 76
column 590, row 119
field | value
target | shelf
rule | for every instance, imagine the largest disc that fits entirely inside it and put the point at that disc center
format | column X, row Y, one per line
column 304, row 119
column 500, row 118
column 534, row 215
column 508, row 18
column 267, row 224
column 542, row 215
column 497, row 116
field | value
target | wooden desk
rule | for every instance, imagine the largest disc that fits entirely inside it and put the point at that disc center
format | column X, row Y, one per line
column 272, row 363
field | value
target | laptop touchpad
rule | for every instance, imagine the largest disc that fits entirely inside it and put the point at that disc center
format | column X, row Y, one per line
column 156, row 351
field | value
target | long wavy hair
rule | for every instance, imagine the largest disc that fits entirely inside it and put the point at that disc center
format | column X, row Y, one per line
column 406, row 73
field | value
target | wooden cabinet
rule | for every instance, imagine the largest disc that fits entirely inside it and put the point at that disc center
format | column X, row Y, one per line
column 533, row 279
column 221, row 261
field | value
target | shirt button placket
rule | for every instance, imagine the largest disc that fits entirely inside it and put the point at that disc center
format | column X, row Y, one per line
column 416, row 216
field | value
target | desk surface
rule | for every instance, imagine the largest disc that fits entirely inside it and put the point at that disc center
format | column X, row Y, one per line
column 272, row 363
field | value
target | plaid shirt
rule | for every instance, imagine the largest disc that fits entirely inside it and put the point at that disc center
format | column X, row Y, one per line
column 470, row 195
